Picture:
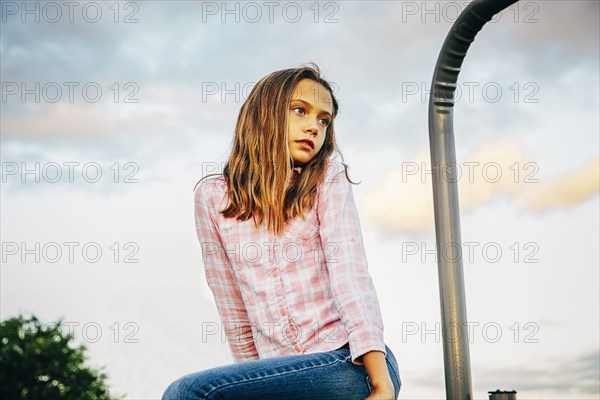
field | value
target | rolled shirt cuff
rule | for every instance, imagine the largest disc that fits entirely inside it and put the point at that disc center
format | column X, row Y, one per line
column 363, row 340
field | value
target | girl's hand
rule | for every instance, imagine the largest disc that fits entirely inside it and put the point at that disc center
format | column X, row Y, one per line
column 381, row 381
column 383, row 392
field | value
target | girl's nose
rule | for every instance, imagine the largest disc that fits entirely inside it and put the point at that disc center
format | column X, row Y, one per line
column 312, row 128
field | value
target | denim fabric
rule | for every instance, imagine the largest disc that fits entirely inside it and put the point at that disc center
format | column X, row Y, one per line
column 324, row 375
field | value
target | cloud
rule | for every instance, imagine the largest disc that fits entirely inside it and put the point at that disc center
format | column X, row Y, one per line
column 85, row 120
column 565, row 378
column 569, row 25
column 154, row 109
column 565, row 190
column 573, row 377
column 402, row 202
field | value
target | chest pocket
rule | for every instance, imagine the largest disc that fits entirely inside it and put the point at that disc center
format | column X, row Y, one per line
column 303, row 230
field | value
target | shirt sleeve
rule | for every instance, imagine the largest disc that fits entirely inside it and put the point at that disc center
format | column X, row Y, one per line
column 221, row 280
column 352, row 286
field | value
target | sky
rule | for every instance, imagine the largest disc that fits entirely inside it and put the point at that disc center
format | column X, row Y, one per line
column 111, row 112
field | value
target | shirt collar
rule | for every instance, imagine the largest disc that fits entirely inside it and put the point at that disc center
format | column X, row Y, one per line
column 296, row 171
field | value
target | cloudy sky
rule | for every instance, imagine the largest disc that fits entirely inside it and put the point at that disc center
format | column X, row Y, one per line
column 111, row 111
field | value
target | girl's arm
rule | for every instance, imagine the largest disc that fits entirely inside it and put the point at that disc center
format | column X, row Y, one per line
column 351, row 284
column 221, row 280
column 376, row 366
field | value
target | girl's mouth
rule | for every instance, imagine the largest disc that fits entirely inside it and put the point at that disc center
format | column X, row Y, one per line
column 305, row 144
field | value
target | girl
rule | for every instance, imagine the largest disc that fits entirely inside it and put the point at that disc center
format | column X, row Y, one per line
column 284, row 258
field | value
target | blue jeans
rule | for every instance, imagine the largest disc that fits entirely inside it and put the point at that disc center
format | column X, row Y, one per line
column 325, row 375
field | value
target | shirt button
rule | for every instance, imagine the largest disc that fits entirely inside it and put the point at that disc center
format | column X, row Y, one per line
column 275, row 273
column 298, row 348
column 282, row 312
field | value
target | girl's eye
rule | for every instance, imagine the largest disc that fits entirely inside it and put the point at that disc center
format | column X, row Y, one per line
column 301, row 111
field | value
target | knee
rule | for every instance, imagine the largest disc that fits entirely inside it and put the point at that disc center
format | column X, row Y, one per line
column 181, row 389
column 173, row 391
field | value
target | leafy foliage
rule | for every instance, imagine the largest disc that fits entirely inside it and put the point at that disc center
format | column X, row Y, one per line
column 38, row 361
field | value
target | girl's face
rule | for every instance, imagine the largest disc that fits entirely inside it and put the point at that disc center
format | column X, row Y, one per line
column 309, row 115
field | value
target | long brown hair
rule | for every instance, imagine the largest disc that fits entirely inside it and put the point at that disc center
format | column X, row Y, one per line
column 259, row 168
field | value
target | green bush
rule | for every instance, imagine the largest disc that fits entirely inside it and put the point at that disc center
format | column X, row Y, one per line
column 39, row 361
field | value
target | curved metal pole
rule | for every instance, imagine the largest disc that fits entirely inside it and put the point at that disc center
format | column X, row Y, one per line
column 445, row 196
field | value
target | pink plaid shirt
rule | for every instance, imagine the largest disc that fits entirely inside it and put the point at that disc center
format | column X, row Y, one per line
column 305, row 291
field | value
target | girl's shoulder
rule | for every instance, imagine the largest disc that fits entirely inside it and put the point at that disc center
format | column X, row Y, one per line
column 334, row 168
column 336, row 182
column 337, row 175
column 210, row 187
